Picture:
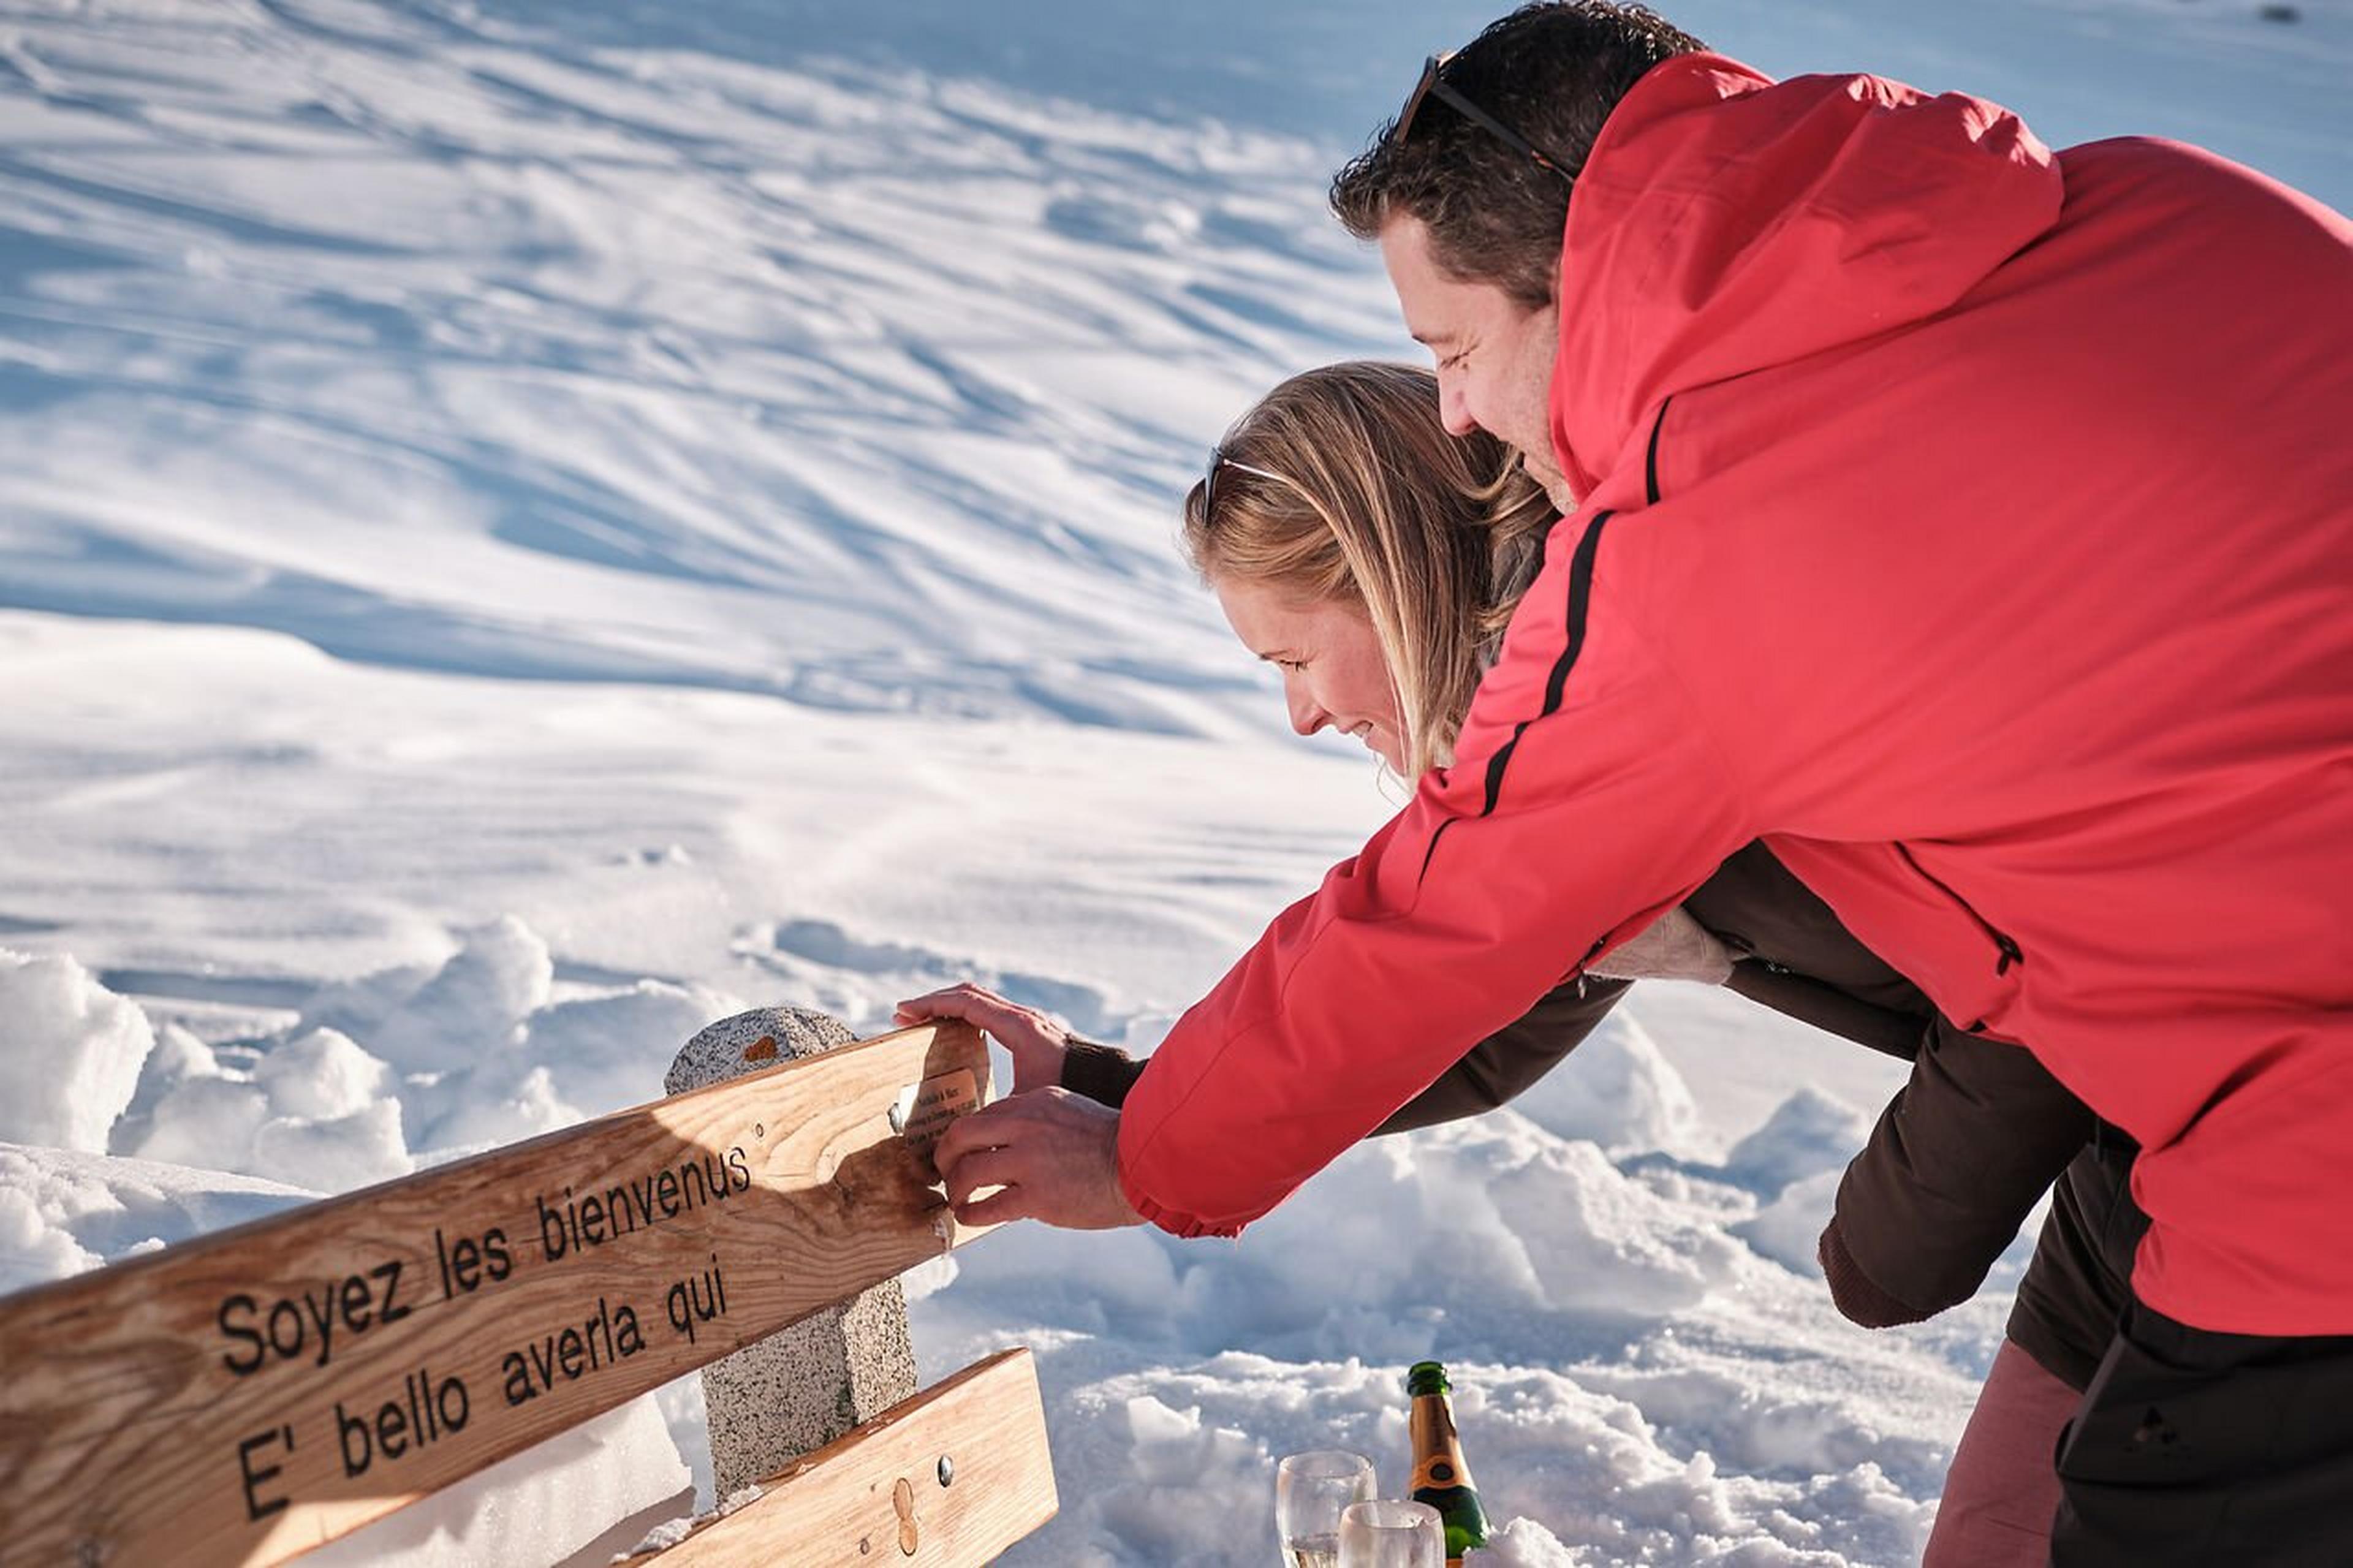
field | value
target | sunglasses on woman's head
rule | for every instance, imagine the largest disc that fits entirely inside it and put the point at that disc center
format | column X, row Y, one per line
column 1433, row 84
column 1218, row 460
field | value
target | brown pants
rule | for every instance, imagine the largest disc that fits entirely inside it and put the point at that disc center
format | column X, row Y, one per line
column 2002, row 1491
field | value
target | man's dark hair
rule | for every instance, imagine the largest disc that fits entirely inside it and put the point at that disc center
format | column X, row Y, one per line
column 1552, row 71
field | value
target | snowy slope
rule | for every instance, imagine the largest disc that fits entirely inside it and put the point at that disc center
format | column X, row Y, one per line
column 526, row 527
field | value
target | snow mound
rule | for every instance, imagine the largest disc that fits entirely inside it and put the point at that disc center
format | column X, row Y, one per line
column 479, row 1050
column 332, row 1153
column 323, row 1075
column 1808, row 1134
column 603, row 1053
column 1522, row 1544
column 207, row 1122
column 35, row 1246
column 179, row 1056
column 566, row 1061
column 500, row 974
column 62, row 1211
column 1596, row 1239
column 316, row 1112
column 500, row 1104
column 1621, row 1093
column 70, row 1051
column 1472, row 1218
column 1786, row 1230
column 1607, row 1473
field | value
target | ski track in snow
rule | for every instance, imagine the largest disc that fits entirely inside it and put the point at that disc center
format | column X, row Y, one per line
column 527, row 528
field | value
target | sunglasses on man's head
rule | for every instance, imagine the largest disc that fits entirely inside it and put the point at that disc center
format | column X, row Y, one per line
column 1218, row 460
column 1433, row 84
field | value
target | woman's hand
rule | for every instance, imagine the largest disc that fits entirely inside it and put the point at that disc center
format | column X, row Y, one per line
column 1053, row 1155
column 1037, row 1044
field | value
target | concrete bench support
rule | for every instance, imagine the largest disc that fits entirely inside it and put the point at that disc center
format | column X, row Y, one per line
column 807, row 1385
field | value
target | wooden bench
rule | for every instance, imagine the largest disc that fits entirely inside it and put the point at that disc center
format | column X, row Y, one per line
column 251, row 1394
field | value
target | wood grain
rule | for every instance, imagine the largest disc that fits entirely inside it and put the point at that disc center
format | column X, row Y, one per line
column 876, row 1495
column 255, row 1393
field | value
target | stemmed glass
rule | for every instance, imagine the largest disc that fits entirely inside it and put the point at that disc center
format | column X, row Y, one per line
column 1311, row 1491
column 1392, row 1534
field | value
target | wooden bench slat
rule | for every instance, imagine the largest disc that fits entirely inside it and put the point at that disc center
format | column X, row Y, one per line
column 148, row 1414
column 874, row 1497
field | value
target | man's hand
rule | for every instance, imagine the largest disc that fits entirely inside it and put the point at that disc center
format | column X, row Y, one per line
column 1672, row 947
column 1036, row 1043
column 1054, row 1154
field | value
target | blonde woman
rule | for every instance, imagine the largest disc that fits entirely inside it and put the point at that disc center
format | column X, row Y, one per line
column 1373, row 560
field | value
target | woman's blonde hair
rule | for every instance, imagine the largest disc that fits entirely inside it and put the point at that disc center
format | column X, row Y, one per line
column 1341, row 484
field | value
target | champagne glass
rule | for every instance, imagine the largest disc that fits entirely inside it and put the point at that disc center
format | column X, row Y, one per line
column 1310, row 1490
column 1391, row 1534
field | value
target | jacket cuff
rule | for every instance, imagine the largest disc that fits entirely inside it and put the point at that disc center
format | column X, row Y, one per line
column 1169, row 1220
column 1102, row 1073
column 1857, row 1297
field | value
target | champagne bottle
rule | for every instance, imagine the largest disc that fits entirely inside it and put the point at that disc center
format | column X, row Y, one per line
column 1439, row 1477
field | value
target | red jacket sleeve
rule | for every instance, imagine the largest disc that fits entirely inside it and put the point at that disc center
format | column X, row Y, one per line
column 1585, row 799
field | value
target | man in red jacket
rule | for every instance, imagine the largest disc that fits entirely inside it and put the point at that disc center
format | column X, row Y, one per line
column 1974, row 524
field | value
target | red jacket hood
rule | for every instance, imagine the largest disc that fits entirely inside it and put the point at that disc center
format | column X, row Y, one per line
column 1725, row 223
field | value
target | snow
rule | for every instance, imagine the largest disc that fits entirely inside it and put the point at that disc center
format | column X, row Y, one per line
column 1809, row 1133
column 1624, row 1096
column 563, row 1498
column 528, row 527
column 70, row 1055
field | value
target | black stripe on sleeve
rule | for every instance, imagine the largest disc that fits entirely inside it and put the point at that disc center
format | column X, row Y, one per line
column 1580, row 596
column 1580, row 599
column 1650, row 458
